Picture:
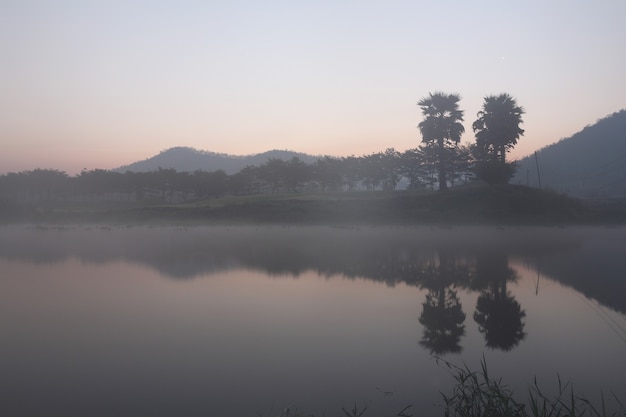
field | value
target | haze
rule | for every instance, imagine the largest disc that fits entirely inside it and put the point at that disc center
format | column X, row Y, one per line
column 102, row 84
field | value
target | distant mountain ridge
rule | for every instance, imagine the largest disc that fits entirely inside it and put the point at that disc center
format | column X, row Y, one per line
column 589, row 164
column 183, row 158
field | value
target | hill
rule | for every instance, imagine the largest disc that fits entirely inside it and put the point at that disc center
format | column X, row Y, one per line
column 591, row 164
column 189, row 159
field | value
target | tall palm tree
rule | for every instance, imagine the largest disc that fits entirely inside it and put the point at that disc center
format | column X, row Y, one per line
column 497, row 127
column 442, row 126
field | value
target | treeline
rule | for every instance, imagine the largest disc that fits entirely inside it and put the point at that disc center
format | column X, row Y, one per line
column 440, row 162
column 388, row 170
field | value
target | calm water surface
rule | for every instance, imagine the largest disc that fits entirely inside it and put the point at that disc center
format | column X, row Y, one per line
column 246, row 321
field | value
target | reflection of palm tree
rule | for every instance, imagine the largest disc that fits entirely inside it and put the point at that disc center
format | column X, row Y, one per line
column 442, row 314
column 498, row 314
column 442, row 317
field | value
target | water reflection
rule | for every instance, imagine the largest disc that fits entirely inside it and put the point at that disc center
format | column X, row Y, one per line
column 442, row 317
column 441, row 261
column 498, row 314
column 442, row 314
column 213, row 318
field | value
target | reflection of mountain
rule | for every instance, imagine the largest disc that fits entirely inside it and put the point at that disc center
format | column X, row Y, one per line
column 597, row 270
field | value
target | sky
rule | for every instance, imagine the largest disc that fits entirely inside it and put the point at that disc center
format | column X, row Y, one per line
column 88, row 84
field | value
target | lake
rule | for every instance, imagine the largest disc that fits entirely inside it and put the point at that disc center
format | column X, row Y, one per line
column 248, row 321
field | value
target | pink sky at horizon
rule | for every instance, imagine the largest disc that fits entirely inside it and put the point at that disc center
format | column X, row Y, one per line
column 86, row 86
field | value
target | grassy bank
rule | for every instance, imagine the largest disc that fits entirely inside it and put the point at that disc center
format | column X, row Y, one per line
column 478, row 394
column 472, row 204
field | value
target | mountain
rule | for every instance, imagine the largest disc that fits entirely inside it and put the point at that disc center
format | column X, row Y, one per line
column 189, row 159
column 590, row 164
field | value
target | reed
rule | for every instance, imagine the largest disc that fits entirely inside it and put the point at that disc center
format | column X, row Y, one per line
column 477, row 394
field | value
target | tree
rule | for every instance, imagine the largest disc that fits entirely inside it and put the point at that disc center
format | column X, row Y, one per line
column 273, row 172
column 351, row 167
column 462, row 164
column 164, row 181
column 246, row 181
column 326, row 171
column 297, row 173
column 390, row 160
column 45, row 184
column 371, row 169
column 497, row 130
column 441, row 126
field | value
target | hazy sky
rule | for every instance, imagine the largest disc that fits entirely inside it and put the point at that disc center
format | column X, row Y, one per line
column 98, row 84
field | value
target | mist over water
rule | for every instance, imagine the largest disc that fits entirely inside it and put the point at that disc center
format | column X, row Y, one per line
column 239, row 321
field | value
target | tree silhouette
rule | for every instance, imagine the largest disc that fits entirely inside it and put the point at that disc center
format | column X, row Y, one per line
column 296, row 173
column 461, row 164
column 246, row 181
column 273, row 173
column 352, row 169
column 373, row 171
column 498, row 315
column 390, row 160
column 441, row 126
column 497, row 130
column 326, row 172
column 411, row 168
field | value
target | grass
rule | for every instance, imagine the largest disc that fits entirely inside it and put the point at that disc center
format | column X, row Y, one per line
column 477, row 394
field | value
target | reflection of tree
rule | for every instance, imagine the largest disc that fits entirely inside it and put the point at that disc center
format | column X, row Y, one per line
column 498, row 314
column 442, row 314
column 442, row 318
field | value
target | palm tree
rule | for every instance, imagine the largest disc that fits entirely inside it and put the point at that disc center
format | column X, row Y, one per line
column 442, row 126
column 497, row 130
